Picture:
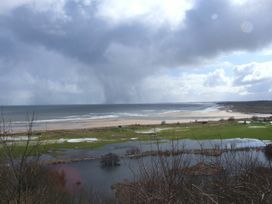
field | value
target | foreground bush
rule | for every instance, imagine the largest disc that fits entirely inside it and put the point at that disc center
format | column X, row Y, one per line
column 110, row 160
column 268, row 151
column 175, row 180
column 23, row 179
column 36, row 184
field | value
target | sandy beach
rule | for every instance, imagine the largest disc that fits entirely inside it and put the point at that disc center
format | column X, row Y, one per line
column 181, row 117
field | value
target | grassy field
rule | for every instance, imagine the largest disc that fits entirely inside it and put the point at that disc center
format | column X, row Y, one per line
column 220, row 131
column 183, row 131
column 50, row 140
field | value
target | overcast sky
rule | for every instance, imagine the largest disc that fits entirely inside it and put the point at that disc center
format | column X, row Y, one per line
column 134, row 51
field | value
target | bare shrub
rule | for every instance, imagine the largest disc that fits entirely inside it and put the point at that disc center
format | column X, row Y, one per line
column 23, row 178
column 235, row 177
column 163, row 122
column 133, row 151
column 268, row 151
column 110, row 160
column 231, row 119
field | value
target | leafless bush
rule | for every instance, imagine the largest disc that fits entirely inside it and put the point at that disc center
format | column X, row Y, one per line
column 235, row 177
column 133, row 151
column 231, row 119
column 254, row 118
column 268, row 151
column 23, row 179
column 163, row 122
column 110, row 160
column 94, row 197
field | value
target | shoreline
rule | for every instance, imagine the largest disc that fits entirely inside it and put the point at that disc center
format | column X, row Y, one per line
column 177, row 117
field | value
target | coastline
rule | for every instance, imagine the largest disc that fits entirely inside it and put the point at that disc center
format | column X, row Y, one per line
column 176, row 117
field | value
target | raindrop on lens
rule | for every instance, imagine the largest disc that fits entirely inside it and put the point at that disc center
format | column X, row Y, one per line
column 247, row 27
column 214, row 16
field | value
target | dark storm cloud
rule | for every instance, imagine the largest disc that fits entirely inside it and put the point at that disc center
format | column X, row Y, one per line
column 117, row 57
column 205, row 37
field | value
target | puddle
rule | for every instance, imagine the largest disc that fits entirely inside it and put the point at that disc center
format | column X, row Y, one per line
column 82, row 140
column 152, row 130
column 244, row 122
column 256, row 127
column 18, row 138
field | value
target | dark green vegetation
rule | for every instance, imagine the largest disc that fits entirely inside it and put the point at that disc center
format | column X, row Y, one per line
column 264, row 107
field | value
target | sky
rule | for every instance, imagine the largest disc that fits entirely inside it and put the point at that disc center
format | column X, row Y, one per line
column 134, row 51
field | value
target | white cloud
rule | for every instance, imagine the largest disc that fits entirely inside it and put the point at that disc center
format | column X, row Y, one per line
column 254, row 72
column 190, row 87
column 151, row 11
column 267, row 51
column 239, row 2
column 246, row 82
column 217, row 78
column 255, row 78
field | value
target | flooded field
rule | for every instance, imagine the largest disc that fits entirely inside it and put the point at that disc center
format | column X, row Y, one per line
column 91, row 174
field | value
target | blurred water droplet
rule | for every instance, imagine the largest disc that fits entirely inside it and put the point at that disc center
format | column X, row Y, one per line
column 247, row 27
column 214, row 16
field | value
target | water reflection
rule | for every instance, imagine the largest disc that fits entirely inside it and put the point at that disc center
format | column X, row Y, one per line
column 91, row 175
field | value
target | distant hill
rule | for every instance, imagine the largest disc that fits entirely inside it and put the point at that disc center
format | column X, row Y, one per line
column 264, row 107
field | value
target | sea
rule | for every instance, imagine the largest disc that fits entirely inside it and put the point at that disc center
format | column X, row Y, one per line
column 70, row 113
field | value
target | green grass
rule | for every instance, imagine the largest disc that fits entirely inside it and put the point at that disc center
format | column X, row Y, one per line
column 219, row 131
column 105, row 136
column 216, row 130
column 19, row 150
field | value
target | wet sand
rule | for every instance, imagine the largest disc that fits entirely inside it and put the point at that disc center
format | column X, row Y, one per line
column 172, row 117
